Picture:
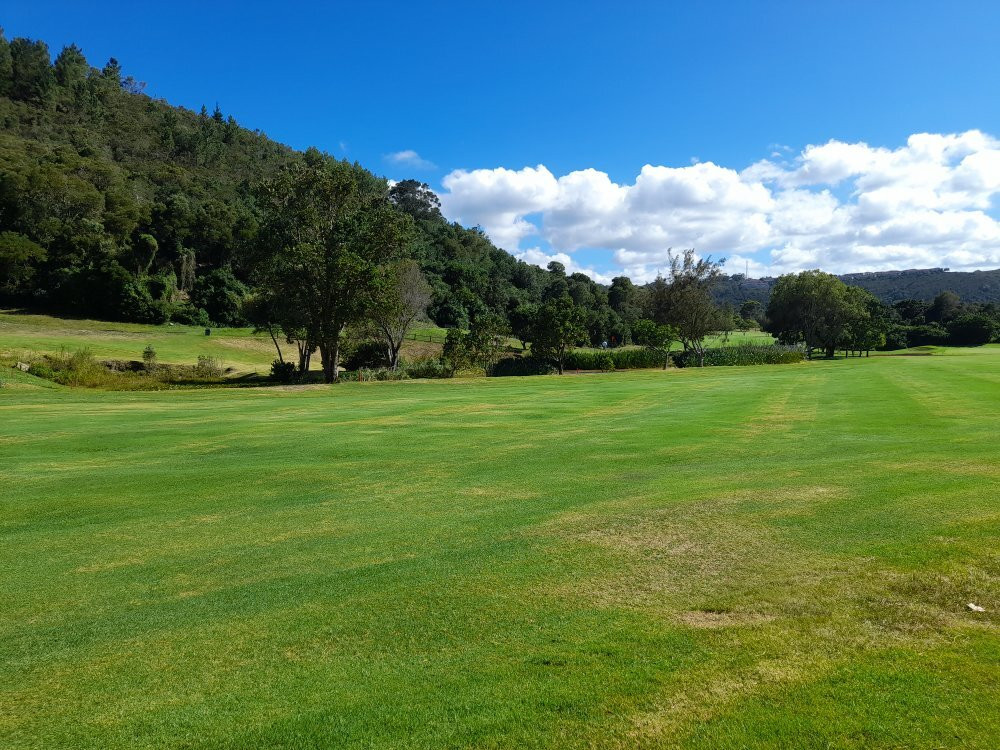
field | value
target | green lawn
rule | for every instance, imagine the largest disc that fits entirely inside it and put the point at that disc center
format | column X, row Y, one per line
column 774, row 557
column 238, row 348
column 22, row 335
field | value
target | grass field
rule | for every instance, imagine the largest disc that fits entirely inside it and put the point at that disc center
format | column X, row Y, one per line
column 24, row 334
column 774, row 557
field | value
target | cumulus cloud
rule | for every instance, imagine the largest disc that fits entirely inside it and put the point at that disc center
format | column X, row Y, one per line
column 409, row 158
column 837, row 206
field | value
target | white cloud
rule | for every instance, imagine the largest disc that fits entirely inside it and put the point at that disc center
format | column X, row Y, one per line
column 838, row 206
column 409, row 158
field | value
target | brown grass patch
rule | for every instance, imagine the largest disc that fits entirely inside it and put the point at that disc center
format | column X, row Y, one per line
column 707, row 618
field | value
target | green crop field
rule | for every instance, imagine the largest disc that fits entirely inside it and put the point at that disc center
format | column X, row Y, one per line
column 765, row 557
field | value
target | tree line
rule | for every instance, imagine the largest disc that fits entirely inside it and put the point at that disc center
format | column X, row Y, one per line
column 118, row 206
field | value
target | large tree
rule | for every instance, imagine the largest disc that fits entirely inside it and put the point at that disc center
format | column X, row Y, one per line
column 867, row 322
column 416, row 198
column 812, row 307
column 329, row 233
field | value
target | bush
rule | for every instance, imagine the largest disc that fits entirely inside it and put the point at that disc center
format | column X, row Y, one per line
column 520, row 366
column 743, row 355
column 369, row 374
column 221, row 295
column 932, row 334
column 621, row 359
column 605, row 362
column 429, row 367
column 149, row 358
column 283, row 372
column 81, row 370
column 895, row 338
column 208, row 367
column 972, row 330
column 370, row 355
column 42, row 370
column 189, row 315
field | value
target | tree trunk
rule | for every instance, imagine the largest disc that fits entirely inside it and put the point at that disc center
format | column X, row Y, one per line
column 305, row 354
column 329, row 352
column 275, row 340
column 830, row 352
column 336, row 358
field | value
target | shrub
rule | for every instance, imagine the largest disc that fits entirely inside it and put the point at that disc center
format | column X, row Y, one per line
column 368, row 374
column 972, row 330
column 371, row 355
column 519, row 366
column 149, row 358
column 926, row 335
column 283, row 372
column 743, row 355
column 605, row 362
column 208, row 367
column 429, row 367
column 621, row 359
column 42, row 370
column 221, row 295
column 189, row 315
column 895, row 338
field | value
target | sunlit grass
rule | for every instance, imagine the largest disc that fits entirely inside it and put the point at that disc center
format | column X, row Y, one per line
column 737, row 557
column 23, row 336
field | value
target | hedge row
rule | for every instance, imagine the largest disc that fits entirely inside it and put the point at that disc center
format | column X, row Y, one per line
column 515, row 366
column 743, row 354
column 623, row 359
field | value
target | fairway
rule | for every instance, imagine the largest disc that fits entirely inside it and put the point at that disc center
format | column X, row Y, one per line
column 774, row 556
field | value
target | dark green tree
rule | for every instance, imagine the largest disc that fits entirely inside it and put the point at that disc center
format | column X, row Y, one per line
column 812, row 307
column 71, row 67
column 416, row 198
column 19, row 257
column 559, row 326
column 31, row 70
column 6, row 66
column 656, row 337
column 329, row 234
column 973, row 329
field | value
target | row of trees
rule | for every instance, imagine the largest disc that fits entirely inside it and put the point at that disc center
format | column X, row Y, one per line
column 824, row 313
column 122, row 207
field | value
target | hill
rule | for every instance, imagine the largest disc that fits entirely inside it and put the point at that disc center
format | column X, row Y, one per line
column 123, row 207
column 889, row 286
column 118, row 206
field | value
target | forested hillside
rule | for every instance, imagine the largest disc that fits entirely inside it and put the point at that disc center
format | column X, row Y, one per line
column 118, row 206
column 889, row 286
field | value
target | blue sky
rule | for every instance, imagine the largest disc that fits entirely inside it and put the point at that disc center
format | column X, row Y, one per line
column 608, row 87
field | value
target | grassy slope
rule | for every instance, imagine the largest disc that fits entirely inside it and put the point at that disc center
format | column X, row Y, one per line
column 238, row 348
column 765, row 557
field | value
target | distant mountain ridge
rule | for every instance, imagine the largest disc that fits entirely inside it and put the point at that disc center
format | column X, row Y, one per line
column 888, row 286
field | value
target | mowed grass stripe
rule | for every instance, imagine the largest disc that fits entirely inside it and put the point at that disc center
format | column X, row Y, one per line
column 771, row 556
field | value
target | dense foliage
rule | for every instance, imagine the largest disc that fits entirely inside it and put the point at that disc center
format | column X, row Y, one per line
column 743, row 355
column 118, row 206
